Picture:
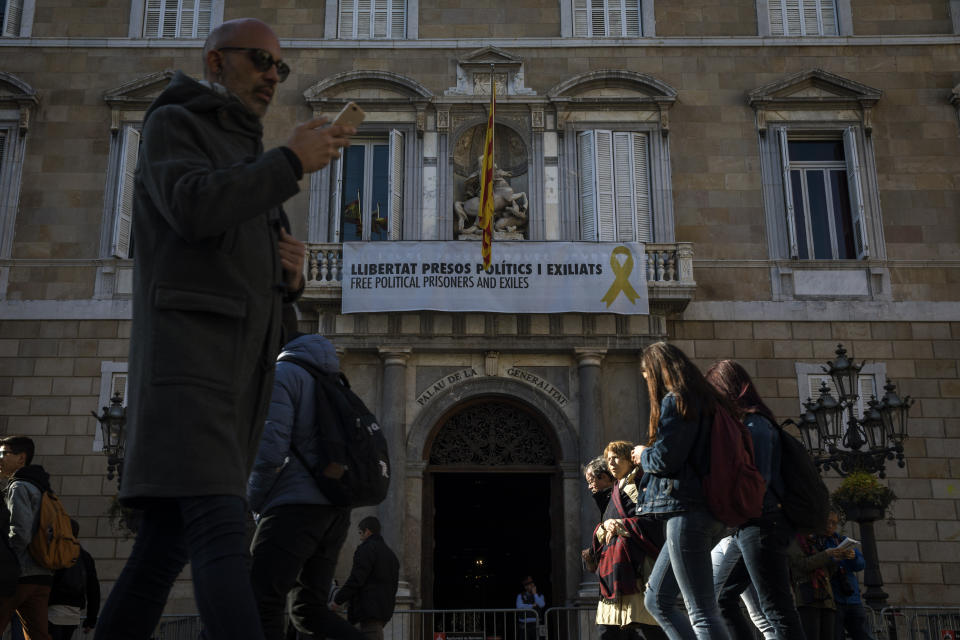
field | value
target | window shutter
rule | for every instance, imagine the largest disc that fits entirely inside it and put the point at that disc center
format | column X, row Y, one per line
column 12, row 17
column 586, row 142
column 632, row 18
column 623, row 186
column 615, row 18
column 854, row 184
column 828, row 17
column 152, row 18
column 380, row 18
column 597, row 18
column 398, row 19
column 396, row 185
column 776, row 17
column 118, row 384
column 788, row 192
column 641, row 181
column 363, row 18
column 336, row 196
column 188, row 16
column 792, row 22
column 347, row 27
column 866, row 383
column 169, row 28
column 123, row 219
column 606, row 222
column 581, row 19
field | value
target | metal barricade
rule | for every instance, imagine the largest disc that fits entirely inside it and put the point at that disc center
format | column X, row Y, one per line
column 463, row 624
column 917, row 623
column 569, row 623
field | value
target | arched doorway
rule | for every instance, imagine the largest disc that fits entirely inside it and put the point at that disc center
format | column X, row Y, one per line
column 493, row 504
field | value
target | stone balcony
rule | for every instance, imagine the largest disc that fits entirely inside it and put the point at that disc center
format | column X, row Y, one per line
column 670, row 281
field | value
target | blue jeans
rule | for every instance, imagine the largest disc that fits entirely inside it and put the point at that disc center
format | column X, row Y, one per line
column 207, row 531
column 765, row 565
column 684, row 567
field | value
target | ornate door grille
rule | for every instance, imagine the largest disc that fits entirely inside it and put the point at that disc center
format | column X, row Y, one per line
column 493, row 433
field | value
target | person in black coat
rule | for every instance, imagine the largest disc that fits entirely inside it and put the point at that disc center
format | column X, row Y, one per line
column 371, row 589
column 74, row 596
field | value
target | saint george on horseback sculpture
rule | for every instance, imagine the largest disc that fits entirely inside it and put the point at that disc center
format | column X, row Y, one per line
column 509, row 208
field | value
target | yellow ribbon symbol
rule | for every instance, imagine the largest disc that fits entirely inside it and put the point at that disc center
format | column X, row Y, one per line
column 621, row 282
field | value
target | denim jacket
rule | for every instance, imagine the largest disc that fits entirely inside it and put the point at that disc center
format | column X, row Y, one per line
column 766, row 457
column 673, row 465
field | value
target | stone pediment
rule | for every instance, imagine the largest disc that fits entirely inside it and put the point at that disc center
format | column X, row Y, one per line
column 486, row 56
column 814, row 90
column 615, row 89
column 18, row 94
column 139, row 93
column 474, row 74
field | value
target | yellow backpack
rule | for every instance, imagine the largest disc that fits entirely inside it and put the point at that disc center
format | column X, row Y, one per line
column 54, row 546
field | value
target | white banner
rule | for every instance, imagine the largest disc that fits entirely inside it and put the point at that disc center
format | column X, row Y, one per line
column 525, row 277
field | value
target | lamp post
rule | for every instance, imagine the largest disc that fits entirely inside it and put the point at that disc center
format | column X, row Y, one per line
column 112, row 421
column 837, row 439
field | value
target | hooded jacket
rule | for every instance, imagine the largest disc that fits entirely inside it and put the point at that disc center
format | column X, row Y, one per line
column 371, row 588
column 22, row 497
column 278, row 477
column 208, row 291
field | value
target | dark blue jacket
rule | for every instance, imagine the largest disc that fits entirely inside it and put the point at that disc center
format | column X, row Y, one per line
column 766, row 457
column 278, row 477
column 675, row 463
column 849, row 573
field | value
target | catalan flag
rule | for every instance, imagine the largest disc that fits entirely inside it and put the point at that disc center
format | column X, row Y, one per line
column 485, row 217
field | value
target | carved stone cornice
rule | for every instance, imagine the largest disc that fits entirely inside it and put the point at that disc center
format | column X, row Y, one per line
column 136, row 95
column 813, row 90
column 15, row 91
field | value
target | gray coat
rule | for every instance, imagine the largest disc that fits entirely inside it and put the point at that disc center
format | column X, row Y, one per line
column 208, row 291
column 22, row 497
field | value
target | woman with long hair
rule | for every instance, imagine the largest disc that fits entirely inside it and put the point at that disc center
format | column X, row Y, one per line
column 675, row 458
column 757, row 552
column 625, row 547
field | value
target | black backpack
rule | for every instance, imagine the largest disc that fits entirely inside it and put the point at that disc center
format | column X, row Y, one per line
column 70, row 586
column 354, row 466
column 805, row 499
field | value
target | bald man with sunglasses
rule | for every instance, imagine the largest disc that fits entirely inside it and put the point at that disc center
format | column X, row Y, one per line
column 214, row 264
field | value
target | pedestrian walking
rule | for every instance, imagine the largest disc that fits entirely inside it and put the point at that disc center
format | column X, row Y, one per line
column 370, row 591
column 213, row 267
column 676, row 454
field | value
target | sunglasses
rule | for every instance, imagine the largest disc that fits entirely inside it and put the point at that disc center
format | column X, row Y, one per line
column 263, row 60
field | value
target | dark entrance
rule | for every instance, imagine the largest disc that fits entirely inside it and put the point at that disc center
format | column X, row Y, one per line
column 493, row 503
column 490, row 530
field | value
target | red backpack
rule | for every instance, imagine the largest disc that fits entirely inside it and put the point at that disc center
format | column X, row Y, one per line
column 734, row 488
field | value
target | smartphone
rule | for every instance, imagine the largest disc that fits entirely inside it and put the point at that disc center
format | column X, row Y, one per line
column 351, row 115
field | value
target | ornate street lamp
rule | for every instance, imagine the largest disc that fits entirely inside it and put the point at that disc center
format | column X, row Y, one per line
column 112, row 421
column 858, row 444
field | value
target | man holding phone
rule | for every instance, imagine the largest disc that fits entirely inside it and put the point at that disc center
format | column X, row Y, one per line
column 213, row 266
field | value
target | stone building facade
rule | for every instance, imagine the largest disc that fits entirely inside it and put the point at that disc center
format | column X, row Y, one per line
column 796, row 178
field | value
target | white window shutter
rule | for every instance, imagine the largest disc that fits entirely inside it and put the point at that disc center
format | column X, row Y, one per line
column 336, row 197
column 855, row 186
column 348, row 23
column 170, row 27
column 631, row 18
column 581, row 19
column 398, row 19
column 123, row 218
column 641, row 181
column 363, row 18
column 152, row 17
column 598, row 24
column 118, row 384
column 586, row 142
column 828, row 17
column 12, row 17
column 380, row 20
column 792, row 20
column 606, row 207
column 615, row 18
column 788, row 192
column 776, row 13
column 188, row 15
column 625, row 217
column 204, row 13
column 396, row 185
